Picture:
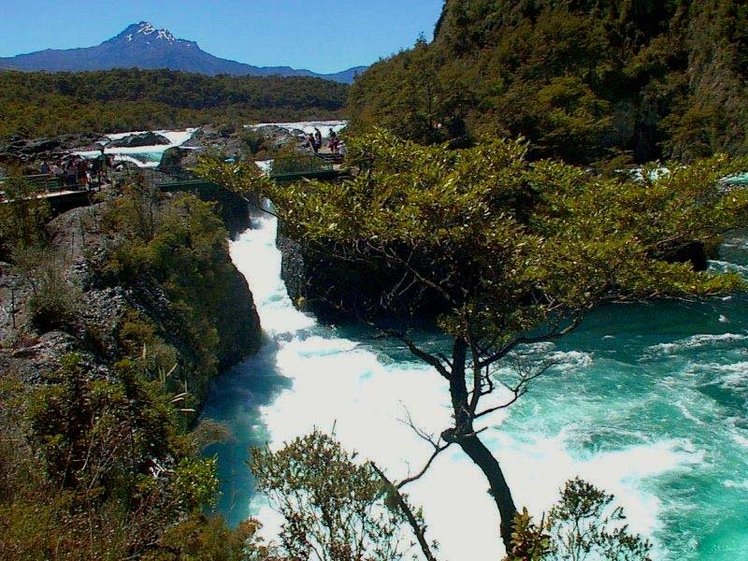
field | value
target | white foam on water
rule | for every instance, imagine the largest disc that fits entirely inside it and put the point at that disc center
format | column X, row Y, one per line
column 151, row 153
column 539, row 467
column 347, row 387
column 697, row 341
column 738, row 435
column 727, row 267
column 570, row 360
column 255, row 255
column 732, row 484
column 136, row 161
column 175, row 137
column 684, row 406
column 733, row 375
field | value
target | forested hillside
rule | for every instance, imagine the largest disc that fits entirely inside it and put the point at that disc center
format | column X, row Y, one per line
column 42, row 104
column 585, row 80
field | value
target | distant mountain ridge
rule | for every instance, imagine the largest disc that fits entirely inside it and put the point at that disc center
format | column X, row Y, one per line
column 142, row 45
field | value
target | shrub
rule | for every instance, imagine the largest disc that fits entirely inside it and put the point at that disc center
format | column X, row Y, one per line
column 584, row 524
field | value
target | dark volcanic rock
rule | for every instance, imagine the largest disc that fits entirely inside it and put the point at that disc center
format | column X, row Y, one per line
column 694, row 253
column 104, row 306
column 237, row 322
column 19, row 150
column 82, row 141
column 41, row 145
column 340, row 290
column 176, row 160
column 224, row 140
column 140, row 139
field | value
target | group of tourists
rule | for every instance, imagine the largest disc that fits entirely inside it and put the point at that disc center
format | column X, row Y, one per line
column 313, row 141
column 75, row 171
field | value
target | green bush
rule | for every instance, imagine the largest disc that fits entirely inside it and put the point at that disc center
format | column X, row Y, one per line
column 23, row 218
column 583, row 524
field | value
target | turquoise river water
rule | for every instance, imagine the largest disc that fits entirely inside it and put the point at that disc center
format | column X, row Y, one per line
column 649, row 402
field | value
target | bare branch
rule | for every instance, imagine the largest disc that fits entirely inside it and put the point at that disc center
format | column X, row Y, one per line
column 526, row 377
column 553, row 334
column 436, row 443
column 393, row 256
column 438, row 450
column 423, row 435
column 426, row 357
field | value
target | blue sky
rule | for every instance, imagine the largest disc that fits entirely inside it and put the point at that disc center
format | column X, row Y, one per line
column 323, row 36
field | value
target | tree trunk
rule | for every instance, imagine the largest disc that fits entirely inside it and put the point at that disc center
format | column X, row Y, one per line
column 464, row 434
column 499, row 489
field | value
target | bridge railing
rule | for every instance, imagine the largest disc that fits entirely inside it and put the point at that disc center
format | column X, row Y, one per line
column 50, row 183
column 41, row 185
column 286, row 168
column 155, row 177
column 302, row 164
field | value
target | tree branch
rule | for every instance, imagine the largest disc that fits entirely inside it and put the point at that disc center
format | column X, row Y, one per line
column 426, row 357
column 520, row 388
column 418, row 529
column 576, row 320
column 435, row 443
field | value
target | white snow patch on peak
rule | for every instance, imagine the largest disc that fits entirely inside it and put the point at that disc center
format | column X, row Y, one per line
column 129, row 37
column 164, row 34
column 146, row 28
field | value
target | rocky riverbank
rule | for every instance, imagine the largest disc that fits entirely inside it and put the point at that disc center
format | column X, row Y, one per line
column 231, row 141
column 68, row 301
column 115, row 319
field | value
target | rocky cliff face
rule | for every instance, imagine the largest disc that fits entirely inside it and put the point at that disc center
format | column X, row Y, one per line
column 103, row 370
column 339, row 290
column 237, row 323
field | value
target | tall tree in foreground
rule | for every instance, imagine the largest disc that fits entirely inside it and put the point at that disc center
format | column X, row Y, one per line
column 508, row 252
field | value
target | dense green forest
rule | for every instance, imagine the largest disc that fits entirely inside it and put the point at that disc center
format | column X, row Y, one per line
column 585, row 80
column 43, row 104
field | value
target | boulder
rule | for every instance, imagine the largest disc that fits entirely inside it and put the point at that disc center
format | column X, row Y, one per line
column 20, row 150
column 41, row 145
column 140, row 139
column 210, row 138
column 694, row 252
column 176, row 160
column 337, row 290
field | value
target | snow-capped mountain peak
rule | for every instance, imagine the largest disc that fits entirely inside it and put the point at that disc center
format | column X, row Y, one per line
column 147, row 32
column 147, row 29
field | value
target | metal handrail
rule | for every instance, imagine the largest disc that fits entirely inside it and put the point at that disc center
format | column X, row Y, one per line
column 286, row 167
column 299, row 165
